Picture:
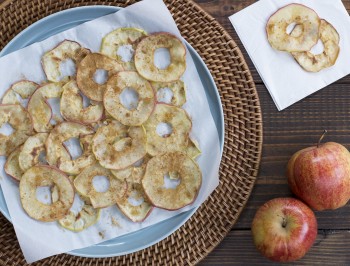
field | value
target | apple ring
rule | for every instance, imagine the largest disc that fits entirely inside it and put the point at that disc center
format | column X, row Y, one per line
column 172, row 198
column 112, row 102
column 23, row 88
column 29, row 155
column 118, row 38
column 277, row 24
column 117, row 146
column 144, row 57
column 330, row 39
column 56, row 152
column 139, row 212
column 71, row 106
column 87, row 69
column 11, row 167
column 43, row 175
column 178, row 97
column 83, row 184
column 20, row 121
column 38, row 107
column 52, row 59
column 181, row 127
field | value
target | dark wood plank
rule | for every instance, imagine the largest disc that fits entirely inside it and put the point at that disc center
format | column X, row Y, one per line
column 237, row 248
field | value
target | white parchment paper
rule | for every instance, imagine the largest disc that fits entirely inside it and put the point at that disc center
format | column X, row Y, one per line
column 39, row 240
column 286, row 81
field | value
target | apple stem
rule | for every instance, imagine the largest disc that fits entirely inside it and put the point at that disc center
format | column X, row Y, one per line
column 321, row 138
column 284, row 222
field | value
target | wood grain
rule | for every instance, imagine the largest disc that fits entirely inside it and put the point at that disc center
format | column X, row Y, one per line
column 286, row 132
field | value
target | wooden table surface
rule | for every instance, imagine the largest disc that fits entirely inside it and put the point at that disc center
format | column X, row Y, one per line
column 286, row 132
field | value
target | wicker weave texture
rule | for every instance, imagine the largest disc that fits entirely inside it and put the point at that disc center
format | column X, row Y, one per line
column 243, row 137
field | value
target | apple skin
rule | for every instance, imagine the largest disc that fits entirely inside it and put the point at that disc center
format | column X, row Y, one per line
column 320, row 176
column 284, row 229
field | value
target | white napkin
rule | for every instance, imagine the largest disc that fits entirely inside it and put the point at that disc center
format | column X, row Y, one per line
column 39, row 240
column 286, row 81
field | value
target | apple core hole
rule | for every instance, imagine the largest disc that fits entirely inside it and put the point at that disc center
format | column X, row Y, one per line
column 43, row 194
column 290, row 28
column 67, row 68
column 73, row 147
column 55, row 109
column 318, row 48
column 126, row 52
column 100, row 76
column 101, row 183
column 162, row 58
column 129, row 98
column 135, row 198
column 86, row 100
column 171, row 180
column 6, row 129
column 78, row 205
column 165, row 95
column 164, row 130
column 42, row 157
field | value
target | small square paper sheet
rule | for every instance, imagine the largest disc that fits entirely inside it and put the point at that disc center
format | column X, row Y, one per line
column 38, row 239
column 286, row 81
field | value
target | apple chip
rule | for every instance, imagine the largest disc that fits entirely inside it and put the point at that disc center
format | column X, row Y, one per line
column 56, row 152
column 122, row 37
column 139, row 113
column 277, row 24
column 21, row 89
column 43, row 175
column 117, row 146
column 77, row 221
column 65, row 50
column 40, row 109
column 134, row 173
column 144, row 57
column 71, row 106
column 173, row 93
column 86, row 71
column 181, row 126
column 32, row 148
column 187, row 171
column 84, row 185
column 12, row 166
column 135, row 204
column 330, row 39
column 19, row 119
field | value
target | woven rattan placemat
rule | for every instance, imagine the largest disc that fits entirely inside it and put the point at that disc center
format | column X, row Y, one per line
column 243, row 136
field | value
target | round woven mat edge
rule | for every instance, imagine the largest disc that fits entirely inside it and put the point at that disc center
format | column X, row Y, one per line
column 251, row 102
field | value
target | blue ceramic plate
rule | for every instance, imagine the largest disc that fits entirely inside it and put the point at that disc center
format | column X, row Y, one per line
column 144, row 238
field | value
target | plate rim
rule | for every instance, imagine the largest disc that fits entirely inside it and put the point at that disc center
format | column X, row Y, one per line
column 190, row 212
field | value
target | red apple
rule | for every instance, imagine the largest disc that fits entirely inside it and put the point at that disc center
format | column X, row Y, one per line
column 284, row 229
column 320, row 175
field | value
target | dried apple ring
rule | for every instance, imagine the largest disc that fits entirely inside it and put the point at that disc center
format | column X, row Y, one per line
column 138, row 212
column 86, row 71
column 84, row 185
column 134, row 173
column 32, row 148
column 177, row 140
column 117, row 146
column 330, row 39
column 43, row 175
column 23, row 88
column 177, row 88
column 12, row 165
column 52, row 59
column 111, row 100
column 188, row 172
column 20, row 121
column 277, row 24
column 118, row 38
column 144, row 57
column 71, row 106
column 38, row 107
column 56, row 152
